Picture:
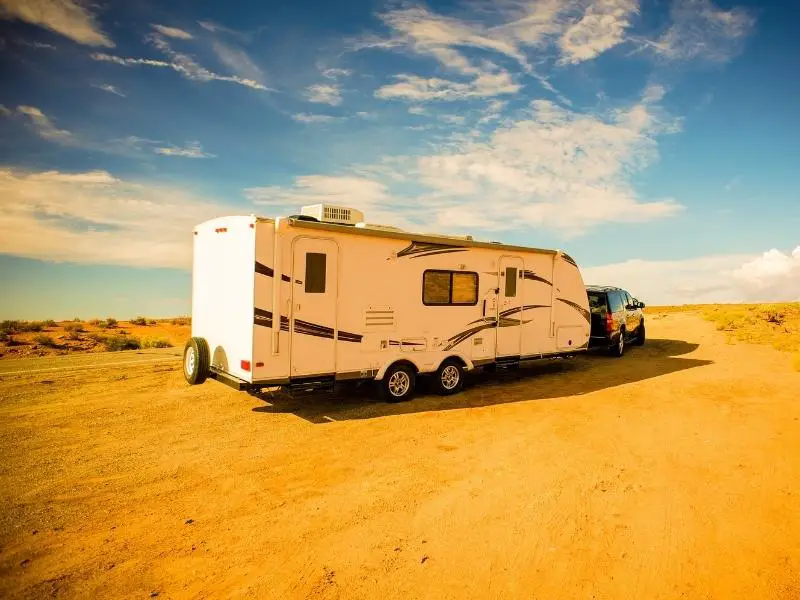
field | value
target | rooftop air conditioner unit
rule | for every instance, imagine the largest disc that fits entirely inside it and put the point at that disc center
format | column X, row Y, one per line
column 328, row 213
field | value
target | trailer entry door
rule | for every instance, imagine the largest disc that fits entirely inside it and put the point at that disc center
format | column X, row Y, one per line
column 509, row 307
column 315, row 278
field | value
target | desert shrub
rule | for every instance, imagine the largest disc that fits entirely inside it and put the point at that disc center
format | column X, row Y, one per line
column 10, row 327
column 152, row 322
column 109, row 323
column 31, row 326
column 773, row 314
column 74, row 330
column 117, row 342
column 182, row 321
column 156, row 343
column 45, row 340
column 49, row 323
column 96, row 337
column 142, row 321
column 6, row 337
column 77, row 320
column 95, row 322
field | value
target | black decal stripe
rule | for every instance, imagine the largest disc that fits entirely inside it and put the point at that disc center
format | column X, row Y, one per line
column 517, row 309
column 586, row 314
column 534, row 277
column 263, row 269
column 264, row 318
column 569, row 259
column 431, row 253
column 417, row 248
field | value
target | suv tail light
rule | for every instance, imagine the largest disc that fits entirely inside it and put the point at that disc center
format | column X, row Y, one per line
column 609, row 322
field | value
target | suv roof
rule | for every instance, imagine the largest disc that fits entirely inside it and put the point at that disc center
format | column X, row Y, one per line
column 604, row 288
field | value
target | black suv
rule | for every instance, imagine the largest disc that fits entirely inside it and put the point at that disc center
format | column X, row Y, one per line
column 617, row 319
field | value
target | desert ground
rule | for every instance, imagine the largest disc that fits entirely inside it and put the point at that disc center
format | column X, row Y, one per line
column 673, row 472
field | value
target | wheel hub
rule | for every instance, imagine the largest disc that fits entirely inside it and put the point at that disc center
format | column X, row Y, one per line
column 450, row 377
column 399, row 383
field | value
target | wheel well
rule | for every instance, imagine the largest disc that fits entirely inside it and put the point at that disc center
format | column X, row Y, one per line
column 456, row 358
column 407, row 363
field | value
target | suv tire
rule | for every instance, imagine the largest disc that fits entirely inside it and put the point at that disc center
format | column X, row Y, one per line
column 618, row 349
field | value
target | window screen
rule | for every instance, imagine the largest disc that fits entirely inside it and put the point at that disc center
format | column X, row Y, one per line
column 511, row 282
column 449, row 288
column 315, row 273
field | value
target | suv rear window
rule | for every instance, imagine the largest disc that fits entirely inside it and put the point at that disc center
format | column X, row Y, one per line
column 616, row 301
column 597, row 303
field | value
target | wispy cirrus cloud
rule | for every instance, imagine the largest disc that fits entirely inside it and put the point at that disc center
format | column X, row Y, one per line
column 413, row 88
column 44, row 127
column 66, row 17
column 315, row 118
column 701, row 30
column 184, row 64
column 190, row 150
column 602, row 26
column 172, row 32
column 111, row 89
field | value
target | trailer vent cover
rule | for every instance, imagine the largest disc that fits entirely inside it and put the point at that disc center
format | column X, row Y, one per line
column 379, row 318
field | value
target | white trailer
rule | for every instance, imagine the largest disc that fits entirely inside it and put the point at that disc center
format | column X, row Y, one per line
column 323, row 297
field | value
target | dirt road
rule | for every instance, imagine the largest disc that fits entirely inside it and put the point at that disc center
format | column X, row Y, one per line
column 671, row 473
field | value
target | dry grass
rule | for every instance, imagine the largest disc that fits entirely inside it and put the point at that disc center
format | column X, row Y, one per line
column 775, row 324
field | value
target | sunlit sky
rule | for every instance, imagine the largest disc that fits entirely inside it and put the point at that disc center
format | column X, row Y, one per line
column 656, row 142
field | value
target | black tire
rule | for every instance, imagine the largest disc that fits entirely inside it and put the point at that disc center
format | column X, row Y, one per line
column 618, row 349
column 398, row 383
column 449, row 378
column 196, row 361
column 640, row 335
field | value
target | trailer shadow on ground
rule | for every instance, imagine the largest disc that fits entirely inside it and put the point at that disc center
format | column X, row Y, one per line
column 540, row 380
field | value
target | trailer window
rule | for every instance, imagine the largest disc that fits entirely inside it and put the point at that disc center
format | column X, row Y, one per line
column 511, row 282
column 315, row 272
column 449, row 288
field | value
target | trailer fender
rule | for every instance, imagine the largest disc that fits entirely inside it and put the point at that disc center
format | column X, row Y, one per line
column 395, row 360
column 468, row 366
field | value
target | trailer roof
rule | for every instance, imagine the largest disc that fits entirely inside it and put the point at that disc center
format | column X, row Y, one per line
column 411, row 236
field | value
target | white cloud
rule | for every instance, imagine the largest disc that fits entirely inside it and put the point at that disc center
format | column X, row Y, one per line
column 237, row 60
column 172, row 32
column 311, row 118
column 702, row 31
column 106, row 87
column 772, row 277
column 336, row 73
column 419, row 89
column 179, row 62
column 37, row 45
column 602, row 27
column 6, row 112
column 43, row 126
column 324, row 94
column 94, row 217
column 552, row 167
column 191, row 150
column 66, row 17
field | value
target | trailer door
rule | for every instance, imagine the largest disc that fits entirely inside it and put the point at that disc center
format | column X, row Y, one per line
column 315, row 276
column 509, row 307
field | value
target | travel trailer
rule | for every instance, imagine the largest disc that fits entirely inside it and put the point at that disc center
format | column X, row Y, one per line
column 321, row 297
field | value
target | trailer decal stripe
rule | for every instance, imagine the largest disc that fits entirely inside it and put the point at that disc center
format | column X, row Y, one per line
column 263, row 269
column 415, row 249
column 569, row 259
column 526, row 274
column 264, row 319
column 586, row 314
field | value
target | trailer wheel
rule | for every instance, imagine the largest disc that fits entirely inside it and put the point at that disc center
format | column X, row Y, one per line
column 196, row 360
column 398, row 383
column 449, row 377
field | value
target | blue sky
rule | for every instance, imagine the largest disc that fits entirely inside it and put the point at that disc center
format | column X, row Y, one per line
column 656, row 141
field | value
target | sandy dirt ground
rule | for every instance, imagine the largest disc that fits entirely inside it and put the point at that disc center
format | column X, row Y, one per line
column 673, row 472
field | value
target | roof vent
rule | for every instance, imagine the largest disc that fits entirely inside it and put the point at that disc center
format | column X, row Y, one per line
column 329, row 213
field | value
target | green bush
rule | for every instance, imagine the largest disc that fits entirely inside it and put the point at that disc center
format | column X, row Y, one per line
column 31, row 326
column 142, row 321
column 45, row 340
column 10, row 327
column 116, row 343
column 109, row 323
column 156, row 343
column 95, row 322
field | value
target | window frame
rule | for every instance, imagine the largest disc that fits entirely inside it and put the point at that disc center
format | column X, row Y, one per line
column 450, row 287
